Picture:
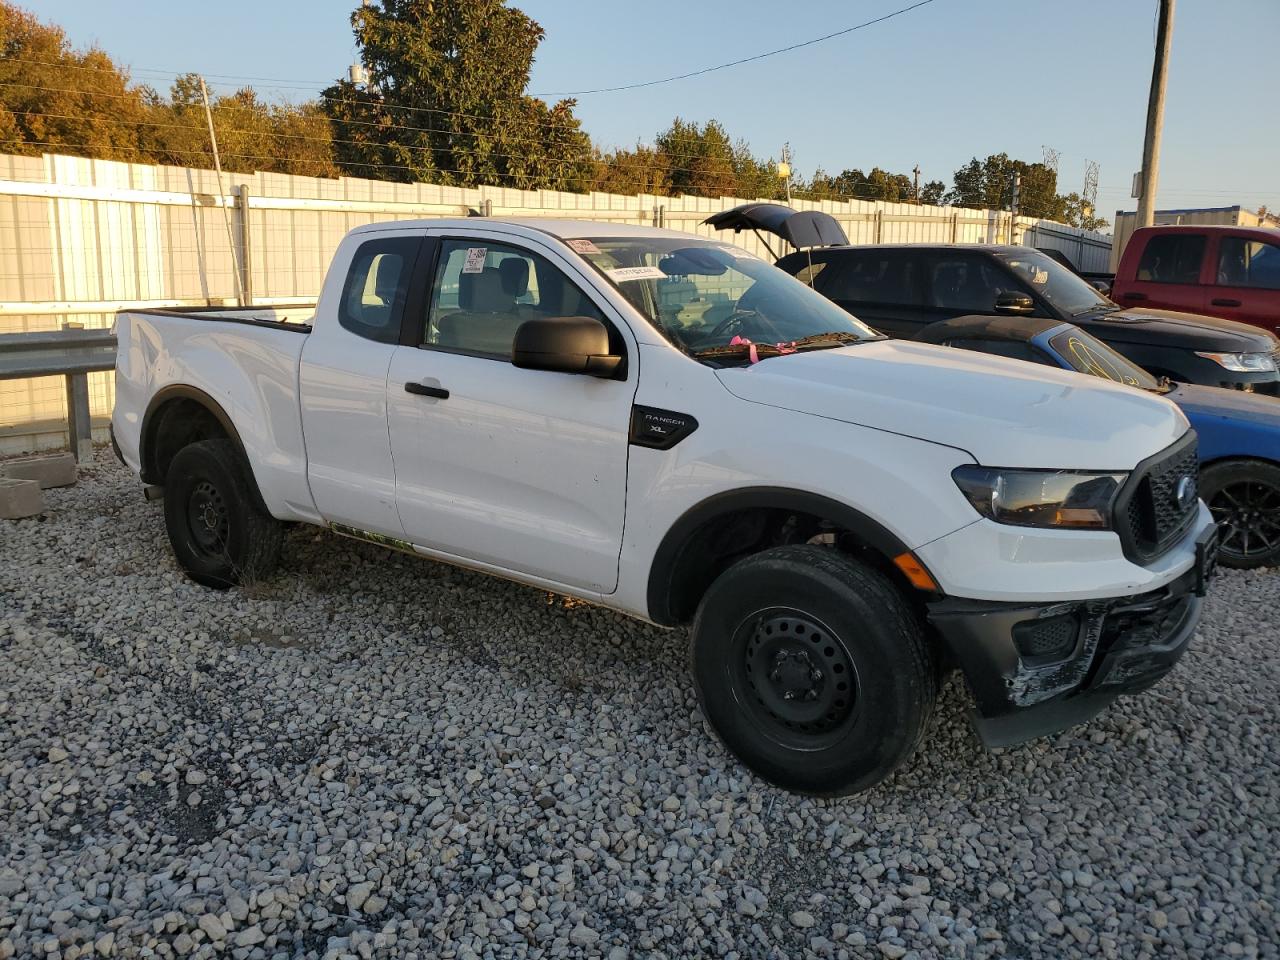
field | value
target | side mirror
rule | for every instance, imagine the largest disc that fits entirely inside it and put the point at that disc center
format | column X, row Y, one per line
column 565, row 345
column 1102, row 286
column 1015, row 304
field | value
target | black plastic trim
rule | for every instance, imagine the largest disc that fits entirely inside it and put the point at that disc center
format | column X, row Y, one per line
column 659, row 429
column 667, row 556
column 1120, row 508
column 194, row 313
column 184, row 392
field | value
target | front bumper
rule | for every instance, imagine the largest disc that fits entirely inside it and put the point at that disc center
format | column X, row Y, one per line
column 1035, row 669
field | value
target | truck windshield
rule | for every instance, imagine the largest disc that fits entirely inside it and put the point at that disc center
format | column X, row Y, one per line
column 1091, row 356
column 1063, row 289
column 716, row 301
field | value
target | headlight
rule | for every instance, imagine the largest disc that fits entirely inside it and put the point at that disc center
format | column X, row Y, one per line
column 1040, row 498
column 1242, row 362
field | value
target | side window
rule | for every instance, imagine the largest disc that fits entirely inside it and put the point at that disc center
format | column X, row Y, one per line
column 968, row 284
column 880, row 277
column 1248, row 263
column 374, row 292
column 484, row 291
column 1172, row 258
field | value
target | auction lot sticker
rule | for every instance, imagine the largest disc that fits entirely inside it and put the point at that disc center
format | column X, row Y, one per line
column 623, row 274
column 475, row 259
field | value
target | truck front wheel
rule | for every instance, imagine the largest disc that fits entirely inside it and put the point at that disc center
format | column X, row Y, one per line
column 219, row 534
column 812, row 669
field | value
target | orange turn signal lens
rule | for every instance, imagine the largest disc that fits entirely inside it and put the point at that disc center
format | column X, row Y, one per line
column 914, row 571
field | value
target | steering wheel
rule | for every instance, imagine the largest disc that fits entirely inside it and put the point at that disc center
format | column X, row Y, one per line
column 737, row 321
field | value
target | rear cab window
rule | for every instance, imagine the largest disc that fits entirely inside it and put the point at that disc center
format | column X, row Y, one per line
column 1172, row 258
column 377, row 284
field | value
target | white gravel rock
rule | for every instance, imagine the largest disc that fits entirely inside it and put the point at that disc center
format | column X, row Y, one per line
column 373, row 756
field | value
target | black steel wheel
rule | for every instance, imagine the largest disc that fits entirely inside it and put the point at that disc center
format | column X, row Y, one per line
column 812, row 669
column 1244, row 498
column 219, row 532
column 797, row 677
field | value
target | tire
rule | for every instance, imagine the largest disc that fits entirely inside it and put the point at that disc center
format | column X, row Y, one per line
column 218, row 533
column 812, row 669
column 1244, row 498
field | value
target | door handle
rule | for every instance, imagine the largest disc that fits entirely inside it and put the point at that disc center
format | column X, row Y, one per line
column 1224, row 302
column 422, row 390
column 1135, row 296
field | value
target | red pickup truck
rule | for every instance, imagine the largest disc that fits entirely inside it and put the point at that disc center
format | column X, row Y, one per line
column 1221, row 271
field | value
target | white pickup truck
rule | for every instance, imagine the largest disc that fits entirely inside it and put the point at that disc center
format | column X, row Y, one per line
column 674, row 428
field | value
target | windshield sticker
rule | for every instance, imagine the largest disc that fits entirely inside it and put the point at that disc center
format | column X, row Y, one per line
column 584, row 247
column 623, row 274
column 475, row 259
column 1039, row 276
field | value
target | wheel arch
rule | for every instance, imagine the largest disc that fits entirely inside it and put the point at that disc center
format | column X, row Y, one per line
column 723, row 528
column 178, row 416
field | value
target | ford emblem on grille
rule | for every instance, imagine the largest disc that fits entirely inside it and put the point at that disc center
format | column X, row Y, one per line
column 1184, row 494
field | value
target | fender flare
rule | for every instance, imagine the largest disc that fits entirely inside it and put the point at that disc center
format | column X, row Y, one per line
column 182, row 391
column 667, row 557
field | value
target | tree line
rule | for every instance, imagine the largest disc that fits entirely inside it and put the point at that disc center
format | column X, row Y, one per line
column 443, row 101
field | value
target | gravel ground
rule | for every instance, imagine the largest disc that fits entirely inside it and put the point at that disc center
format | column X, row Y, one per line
column 376, row 756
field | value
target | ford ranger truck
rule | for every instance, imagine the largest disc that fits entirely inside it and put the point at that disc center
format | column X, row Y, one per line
column 678, row 430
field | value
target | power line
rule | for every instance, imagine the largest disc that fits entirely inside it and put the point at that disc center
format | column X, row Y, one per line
column 736, row 63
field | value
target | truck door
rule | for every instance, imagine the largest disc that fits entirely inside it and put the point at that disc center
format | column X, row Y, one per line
column 523, row 470
column 1168, row 275
column 1246, row 282
column 342, row 381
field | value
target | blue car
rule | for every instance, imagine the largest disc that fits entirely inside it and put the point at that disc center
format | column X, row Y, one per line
column 1239, row 432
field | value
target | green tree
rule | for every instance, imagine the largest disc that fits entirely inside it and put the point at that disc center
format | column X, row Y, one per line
column 1078, row 214
column 641, row 170
column 989, row 184
column 55, row 100
column 445, row 102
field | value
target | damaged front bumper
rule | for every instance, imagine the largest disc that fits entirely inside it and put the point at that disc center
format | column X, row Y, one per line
column 1035, row 669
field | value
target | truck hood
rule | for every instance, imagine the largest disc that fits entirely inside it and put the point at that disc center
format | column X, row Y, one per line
column 1004, row 413
column 1171, row 328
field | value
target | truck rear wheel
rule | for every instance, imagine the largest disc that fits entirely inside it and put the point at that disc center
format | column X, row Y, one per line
column 219, row 534
column 812, row 669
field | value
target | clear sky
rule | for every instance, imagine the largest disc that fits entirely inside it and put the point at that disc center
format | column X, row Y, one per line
column 936, row 86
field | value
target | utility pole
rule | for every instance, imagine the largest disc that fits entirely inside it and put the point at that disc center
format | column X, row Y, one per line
column 1155, row 117
column 784, row 168
column 916, row 171
column 222, row 196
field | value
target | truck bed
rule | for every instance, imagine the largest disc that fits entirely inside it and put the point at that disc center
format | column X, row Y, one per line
column 243, row 359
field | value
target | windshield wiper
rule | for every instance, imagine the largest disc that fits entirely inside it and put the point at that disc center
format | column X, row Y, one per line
column 761, row 351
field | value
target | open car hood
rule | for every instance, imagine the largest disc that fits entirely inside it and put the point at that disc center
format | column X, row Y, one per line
column 800, row 228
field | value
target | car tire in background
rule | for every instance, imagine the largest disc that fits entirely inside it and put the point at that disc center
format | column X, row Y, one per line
column 1244, row 498
column 219, row 534
column 812, row 669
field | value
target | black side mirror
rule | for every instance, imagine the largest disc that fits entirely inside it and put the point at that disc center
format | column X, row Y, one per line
column 565, row 345
column 1015, row 304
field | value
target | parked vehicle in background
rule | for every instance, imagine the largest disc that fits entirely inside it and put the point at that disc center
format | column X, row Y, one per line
column 1099, row 280
column 1239, row 433
column 1222, row 271
column 677, row 429
column 902, row 289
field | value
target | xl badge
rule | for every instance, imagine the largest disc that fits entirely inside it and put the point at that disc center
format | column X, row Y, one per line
column 1184, row 494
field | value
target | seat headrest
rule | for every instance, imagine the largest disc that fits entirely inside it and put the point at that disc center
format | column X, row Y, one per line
column 515, row 275
column 484, row 292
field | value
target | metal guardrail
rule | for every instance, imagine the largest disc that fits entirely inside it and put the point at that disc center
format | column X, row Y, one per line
column 70, row 353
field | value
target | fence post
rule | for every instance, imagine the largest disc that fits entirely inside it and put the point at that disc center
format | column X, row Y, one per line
column 79, row 426
column 879, row 224
column 955, row 228
column 246, row 249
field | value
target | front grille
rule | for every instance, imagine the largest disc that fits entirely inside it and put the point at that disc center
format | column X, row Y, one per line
column 1151, row 514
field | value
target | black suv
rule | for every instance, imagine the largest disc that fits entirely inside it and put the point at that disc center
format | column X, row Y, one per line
column 901, row 289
